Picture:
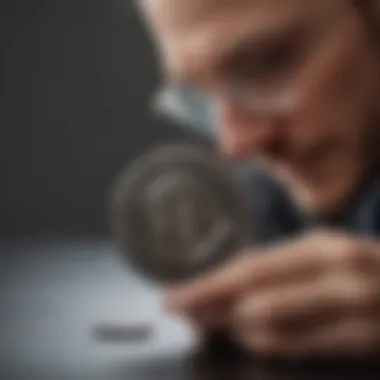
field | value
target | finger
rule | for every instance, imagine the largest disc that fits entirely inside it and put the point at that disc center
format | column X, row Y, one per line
column 215, row 316
column 210, row 318
column 281, row 307
column 307, row 303
column 266, row 268
column 352, row 337
column 356, row 337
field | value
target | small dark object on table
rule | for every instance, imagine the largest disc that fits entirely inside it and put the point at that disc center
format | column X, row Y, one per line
column 112, row 333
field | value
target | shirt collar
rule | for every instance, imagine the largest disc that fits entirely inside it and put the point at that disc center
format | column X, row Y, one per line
column 360, row 216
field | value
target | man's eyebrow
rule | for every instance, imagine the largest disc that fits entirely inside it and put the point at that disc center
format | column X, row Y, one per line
column 257, row 43
column 252, row 40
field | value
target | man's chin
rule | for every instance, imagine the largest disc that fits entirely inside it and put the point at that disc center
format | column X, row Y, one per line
column 322, row 201
column 311, row 202
column 313, row 195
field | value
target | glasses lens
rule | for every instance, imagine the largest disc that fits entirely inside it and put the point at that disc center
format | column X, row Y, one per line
column 188, row 107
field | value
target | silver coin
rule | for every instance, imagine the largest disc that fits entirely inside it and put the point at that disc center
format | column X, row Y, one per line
column 176, row 212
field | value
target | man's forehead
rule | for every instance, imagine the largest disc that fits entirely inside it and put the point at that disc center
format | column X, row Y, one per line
column 184, row 12
column 193, row 31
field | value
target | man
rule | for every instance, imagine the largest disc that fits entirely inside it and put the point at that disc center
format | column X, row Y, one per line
column 292, row 86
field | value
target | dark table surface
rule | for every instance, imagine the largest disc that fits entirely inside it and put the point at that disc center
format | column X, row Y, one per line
column 54, row 292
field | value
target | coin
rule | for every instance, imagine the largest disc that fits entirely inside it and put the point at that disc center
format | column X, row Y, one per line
column 176, row 212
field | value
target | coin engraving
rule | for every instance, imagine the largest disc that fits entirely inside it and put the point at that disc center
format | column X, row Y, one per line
column 185, row 217
column 176, row 212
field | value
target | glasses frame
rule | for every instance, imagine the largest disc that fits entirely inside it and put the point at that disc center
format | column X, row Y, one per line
column 191, row 109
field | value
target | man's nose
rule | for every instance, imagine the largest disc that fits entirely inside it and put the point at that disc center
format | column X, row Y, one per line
column 244, row 134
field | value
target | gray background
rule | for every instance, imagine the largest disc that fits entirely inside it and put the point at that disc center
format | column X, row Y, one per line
column 77, row 75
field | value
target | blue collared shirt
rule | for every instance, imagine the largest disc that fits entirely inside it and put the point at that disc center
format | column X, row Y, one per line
column 276, row 218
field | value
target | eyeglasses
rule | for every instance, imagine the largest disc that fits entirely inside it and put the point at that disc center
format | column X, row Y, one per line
column 270, row 88
column 188, row 107
column 191, row 108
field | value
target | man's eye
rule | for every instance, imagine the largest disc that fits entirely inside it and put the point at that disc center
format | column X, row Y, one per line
column 276, row 60
column 264, row 65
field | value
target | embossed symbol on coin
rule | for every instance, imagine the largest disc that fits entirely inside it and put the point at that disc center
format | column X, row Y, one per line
column 176, row 212
column 186, row 218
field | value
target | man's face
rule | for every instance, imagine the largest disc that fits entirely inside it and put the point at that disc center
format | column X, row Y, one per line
column 317, row 53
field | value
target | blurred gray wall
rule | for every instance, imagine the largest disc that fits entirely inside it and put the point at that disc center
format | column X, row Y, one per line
column 77, row 75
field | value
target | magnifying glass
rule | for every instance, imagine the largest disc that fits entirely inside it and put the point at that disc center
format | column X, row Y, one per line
column 177, row 212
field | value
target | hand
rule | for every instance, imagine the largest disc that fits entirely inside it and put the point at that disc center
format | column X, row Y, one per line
column 318, row 295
